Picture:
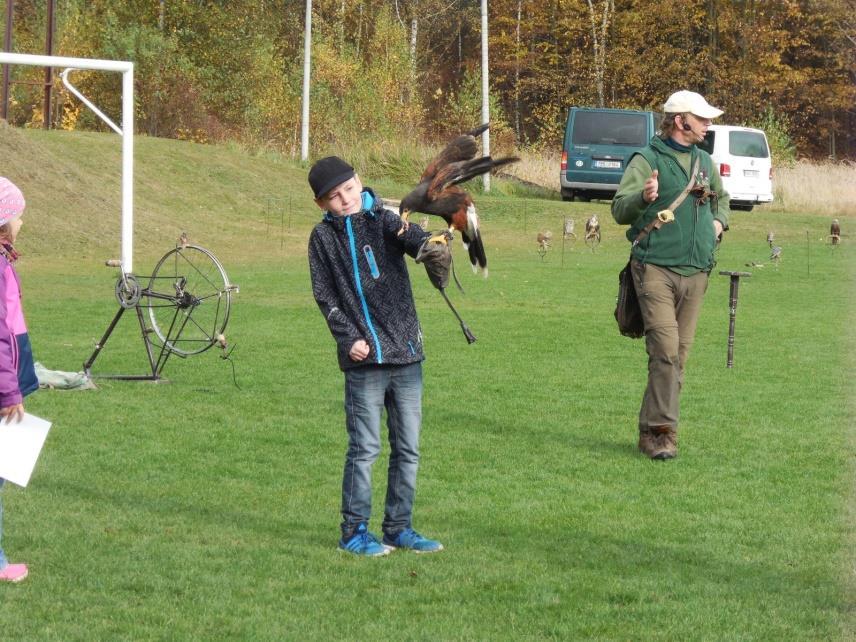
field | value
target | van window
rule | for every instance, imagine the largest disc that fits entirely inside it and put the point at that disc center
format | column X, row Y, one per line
column 750, row 144
column 604, row 128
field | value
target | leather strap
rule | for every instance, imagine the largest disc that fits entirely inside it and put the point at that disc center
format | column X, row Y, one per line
column 656, row 224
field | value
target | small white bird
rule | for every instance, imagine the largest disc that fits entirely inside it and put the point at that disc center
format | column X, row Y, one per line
column 569, row 229
column 544, row 239
column 776, row 254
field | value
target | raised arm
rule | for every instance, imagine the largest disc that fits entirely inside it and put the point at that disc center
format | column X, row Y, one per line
column 637, row 189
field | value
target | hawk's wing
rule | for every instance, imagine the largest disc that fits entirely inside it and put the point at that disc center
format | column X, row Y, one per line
column 462, row 171
column 445, row 177
column 462, row 148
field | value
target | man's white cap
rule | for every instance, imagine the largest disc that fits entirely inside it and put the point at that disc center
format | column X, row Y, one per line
column 683, row 102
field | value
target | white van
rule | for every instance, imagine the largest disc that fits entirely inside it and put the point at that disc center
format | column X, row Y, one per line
column 742, row 155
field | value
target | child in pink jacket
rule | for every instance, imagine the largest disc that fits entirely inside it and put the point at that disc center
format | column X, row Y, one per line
column 17, row 375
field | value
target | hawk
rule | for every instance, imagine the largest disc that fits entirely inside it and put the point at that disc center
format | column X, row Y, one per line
column 438, row 193
column 592, row 231
column 835, row 232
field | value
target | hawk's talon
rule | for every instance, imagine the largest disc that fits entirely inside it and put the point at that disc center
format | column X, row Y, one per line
column 405, row 223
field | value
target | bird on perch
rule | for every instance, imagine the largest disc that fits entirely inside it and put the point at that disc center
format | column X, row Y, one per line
column 835, row 232
column 438, row 193
column 593, row 231
column 568, row 229
column 544, row 244
column 776, row 254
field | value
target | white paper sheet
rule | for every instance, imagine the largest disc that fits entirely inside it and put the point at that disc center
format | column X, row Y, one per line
column 20, row 445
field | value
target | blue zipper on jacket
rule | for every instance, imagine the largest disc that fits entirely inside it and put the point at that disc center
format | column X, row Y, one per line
column 360, row 288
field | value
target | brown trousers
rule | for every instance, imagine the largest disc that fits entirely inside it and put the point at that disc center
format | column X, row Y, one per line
column 670, row 306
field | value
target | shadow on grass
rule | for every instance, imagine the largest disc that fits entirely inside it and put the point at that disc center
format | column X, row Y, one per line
column 137, row 512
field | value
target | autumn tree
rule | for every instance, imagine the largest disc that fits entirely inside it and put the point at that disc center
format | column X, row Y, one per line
column 390, row 69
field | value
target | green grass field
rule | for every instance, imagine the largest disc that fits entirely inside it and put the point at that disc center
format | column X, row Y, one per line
column 193, row 509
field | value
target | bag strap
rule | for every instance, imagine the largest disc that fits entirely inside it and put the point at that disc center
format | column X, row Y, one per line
column 656, row 224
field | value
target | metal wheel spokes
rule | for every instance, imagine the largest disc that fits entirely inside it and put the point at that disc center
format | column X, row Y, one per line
column 188, row 298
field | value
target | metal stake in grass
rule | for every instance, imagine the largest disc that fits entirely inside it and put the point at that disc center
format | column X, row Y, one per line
column 732, row 311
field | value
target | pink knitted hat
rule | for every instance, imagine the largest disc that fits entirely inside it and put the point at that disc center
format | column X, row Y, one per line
column 12, row 202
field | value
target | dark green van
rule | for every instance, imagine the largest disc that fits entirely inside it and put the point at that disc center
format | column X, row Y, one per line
column 598, row 145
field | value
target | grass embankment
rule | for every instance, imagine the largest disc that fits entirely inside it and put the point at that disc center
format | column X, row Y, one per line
column 196, row 510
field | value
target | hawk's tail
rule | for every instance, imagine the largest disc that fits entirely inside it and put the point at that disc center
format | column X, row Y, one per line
column 475, row 248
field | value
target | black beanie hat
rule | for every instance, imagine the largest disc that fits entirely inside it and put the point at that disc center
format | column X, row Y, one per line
column 327, row 173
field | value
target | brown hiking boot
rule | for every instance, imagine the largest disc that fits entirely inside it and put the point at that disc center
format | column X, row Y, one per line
column 646, row 443
column 659, row 443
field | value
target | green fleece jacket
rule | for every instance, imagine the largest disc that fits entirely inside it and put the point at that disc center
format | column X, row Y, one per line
column 685, row 245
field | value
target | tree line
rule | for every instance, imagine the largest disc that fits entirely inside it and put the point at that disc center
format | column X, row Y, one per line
column 212, row 70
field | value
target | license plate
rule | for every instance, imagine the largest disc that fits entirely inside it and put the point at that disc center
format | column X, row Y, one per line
column 750, row 173
column 609, row 164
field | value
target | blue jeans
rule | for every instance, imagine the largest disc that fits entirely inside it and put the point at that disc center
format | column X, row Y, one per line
column 368, row 390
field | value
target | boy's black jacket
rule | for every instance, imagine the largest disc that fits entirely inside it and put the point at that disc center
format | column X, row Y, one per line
column 361, row 284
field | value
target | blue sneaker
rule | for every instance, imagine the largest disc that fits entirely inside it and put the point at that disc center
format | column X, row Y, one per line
column 410, row 540
column 363, row 543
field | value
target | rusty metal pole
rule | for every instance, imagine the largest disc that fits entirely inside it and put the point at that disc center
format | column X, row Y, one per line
column 732, row 311
column 7, row 47
column 46, row 106
column 564, row 227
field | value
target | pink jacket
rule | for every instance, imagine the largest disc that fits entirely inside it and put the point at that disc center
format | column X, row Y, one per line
column 11, row 323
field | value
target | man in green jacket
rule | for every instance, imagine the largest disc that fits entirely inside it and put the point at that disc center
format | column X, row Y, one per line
column 671, row 261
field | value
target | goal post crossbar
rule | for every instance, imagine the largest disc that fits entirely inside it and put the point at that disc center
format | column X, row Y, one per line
column 126, row 131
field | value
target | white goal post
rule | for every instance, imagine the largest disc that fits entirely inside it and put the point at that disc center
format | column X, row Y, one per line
column 126, row 131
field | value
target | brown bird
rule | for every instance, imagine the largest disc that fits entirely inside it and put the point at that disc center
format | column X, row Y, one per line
column 592, row 231
column 835, row 232
column 438, row 192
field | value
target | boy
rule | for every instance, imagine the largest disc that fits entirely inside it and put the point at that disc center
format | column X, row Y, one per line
column 361, row 285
